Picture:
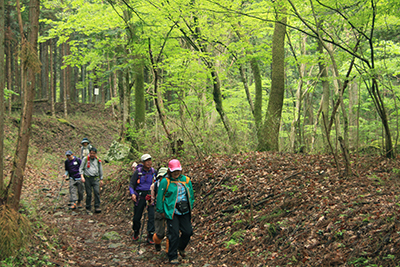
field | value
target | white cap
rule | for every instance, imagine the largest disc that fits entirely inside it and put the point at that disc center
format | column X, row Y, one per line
column 162, row 171
column 145, row 157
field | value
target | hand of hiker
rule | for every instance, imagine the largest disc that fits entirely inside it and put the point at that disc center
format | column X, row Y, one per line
column 134, row 198
column 83, row 179
column 101, row 182
column 163, row 215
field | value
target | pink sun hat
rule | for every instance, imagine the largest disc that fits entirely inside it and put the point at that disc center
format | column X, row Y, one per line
column 174, row 165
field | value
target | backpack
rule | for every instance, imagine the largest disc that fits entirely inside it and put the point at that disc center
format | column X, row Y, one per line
column 176, row 182
column 139, row 168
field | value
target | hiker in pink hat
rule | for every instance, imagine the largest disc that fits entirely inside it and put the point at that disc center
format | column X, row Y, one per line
column 175, row 200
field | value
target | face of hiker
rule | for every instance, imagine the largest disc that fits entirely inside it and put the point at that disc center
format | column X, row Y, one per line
column 70, row 157
column 92, row 154
column 147, row 164
column 85, row 144
column 175, row 174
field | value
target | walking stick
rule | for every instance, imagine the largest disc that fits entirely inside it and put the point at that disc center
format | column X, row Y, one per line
column 58, row 196
column 142, row 228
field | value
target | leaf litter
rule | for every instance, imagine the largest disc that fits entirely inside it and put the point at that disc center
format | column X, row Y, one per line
column 251, row 209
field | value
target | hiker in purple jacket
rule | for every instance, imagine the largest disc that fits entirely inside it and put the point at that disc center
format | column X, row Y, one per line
column 139, row 188
column 75, row 184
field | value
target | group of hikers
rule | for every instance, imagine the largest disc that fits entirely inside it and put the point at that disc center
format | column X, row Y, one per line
column 86, row 171
column 166, row 193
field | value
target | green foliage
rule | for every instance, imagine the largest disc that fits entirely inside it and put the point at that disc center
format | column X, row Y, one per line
column 236, row 238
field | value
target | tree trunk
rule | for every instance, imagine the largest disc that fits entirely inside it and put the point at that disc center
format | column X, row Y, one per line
column 69, row 76
column 325, row 94
column 9, row 72
column 353, row 100
column 9, row 60
column 52, row 91
column 45, row 70
column 62, row 71
column 121, row 91
column 32, row 66
column 258, row 96
column 55, row 72
column 2, row 84
column 296, row 141
column 83, row 73
column 65, row 81
column 270, row 130
column 140, row 107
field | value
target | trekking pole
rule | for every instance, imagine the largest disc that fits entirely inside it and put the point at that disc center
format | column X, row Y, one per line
column 142, row 228
column 58, row 196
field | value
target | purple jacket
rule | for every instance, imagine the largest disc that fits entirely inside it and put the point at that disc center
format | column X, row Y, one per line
column 141, row 180
column 72, row 167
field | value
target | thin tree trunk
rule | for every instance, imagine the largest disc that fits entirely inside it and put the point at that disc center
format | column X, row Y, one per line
column 45, row 70
column 52, row 92
column 140, row 108
column 69, row 76
column 9, row 60
column 32, row 66
column 110, row 85
column 65, row 80
column 83, row 73
column 2, row 85
column 246, row 88
column 296, row 141
column 55, row 72
column 62, row 72
column 325, row 92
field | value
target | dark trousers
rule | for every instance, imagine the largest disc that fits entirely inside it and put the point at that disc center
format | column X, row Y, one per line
column 95, row 183
column 179, row 223
column 137, row 215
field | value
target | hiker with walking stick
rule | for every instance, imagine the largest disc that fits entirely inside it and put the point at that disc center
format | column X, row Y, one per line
column 139, row 188
column 175, row 200
column 72, row 165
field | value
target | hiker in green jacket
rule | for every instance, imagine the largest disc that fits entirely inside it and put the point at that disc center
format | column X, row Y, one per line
column 175, row 200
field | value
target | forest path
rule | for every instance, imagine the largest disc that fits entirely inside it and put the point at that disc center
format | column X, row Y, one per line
column 98, row 239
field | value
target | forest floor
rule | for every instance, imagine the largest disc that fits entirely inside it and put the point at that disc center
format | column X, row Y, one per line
column 251, row 209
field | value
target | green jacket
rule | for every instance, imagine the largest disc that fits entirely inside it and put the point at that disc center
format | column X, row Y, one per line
column 167, row 205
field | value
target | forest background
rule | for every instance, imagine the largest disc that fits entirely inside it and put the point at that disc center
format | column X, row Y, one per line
column 205, row 77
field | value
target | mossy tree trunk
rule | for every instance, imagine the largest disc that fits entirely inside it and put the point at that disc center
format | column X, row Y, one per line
column 270, row 130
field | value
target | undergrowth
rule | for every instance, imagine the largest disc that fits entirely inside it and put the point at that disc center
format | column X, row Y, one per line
column 29, row 243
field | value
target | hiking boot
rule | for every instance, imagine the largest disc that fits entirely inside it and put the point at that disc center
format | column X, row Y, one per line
column 135, row 236
column 182, row 253
column 97, row 210
column 73, row 206
column 158, row 247
column 174, row 261
column 88, row 212
column 150, row 239
column 79, row 205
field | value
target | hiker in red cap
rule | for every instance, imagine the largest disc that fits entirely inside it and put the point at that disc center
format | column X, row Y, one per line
column 175, row 200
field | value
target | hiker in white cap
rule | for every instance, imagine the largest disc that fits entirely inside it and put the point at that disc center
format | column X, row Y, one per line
column 139, row 188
